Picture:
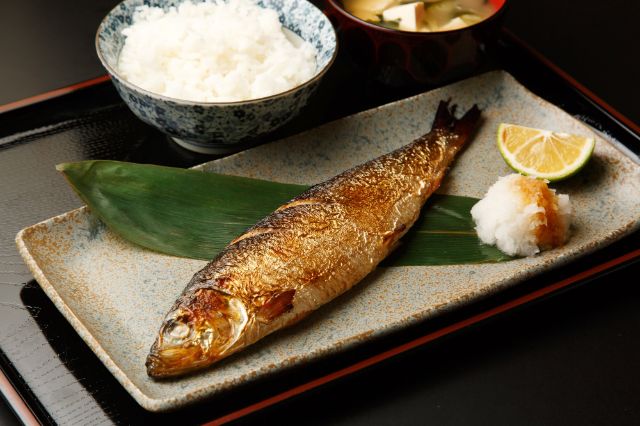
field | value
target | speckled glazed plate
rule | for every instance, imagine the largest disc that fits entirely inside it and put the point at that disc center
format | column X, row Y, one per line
column 115, row 294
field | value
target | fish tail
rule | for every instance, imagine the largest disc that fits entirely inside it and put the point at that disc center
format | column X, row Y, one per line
column 463, row 127
column 468, row 123
column 444, row 117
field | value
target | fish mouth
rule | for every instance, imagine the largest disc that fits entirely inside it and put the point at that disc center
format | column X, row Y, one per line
column 175, row 361
column 197, row 334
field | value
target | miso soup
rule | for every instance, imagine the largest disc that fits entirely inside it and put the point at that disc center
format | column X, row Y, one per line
column 422, row 16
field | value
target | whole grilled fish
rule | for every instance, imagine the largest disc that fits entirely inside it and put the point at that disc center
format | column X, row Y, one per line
column 306, row 253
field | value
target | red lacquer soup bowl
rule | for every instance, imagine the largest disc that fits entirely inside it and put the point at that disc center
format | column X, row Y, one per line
column 399, row 58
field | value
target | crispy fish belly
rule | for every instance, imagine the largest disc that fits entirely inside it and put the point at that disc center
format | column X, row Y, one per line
column 306, row 253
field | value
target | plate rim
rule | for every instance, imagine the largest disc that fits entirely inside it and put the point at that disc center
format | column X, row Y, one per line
column 187, row 398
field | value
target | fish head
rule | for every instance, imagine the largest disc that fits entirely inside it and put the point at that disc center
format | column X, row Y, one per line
column 196, row 333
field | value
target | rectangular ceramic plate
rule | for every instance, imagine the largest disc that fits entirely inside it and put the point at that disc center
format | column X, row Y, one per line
column 115, row 294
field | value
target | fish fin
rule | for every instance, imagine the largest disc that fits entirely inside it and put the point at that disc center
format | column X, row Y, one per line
column 445, row 119
column 467, row 124
column 276, row 306
column 391, row 237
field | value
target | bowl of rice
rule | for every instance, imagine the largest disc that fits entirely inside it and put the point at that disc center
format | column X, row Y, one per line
column 214, row 75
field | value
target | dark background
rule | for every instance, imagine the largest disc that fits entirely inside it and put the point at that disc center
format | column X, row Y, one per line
column 567, row 360
column 49, row 44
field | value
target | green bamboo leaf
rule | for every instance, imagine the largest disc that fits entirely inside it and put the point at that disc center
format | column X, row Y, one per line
column 444, row 234
column 193, row 214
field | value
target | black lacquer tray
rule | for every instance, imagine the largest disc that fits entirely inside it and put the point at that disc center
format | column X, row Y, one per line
column 52, row 377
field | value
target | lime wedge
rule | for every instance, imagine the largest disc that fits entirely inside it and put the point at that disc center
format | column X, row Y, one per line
column 543, row 153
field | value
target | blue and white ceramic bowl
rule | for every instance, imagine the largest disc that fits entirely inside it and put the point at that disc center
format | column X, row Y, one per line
column 218, row 127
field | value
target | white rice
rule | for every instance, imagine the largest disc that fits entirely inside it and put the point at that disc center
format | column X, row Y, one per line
column 504, row 219
column 213, row 52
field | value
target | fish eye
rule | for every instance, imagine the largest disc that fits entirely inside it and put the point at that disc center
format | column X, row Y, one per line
column 177, row 330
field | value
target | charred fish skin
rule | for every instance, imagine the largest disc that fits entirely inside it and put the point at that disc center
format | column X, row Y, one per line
column 307, row 252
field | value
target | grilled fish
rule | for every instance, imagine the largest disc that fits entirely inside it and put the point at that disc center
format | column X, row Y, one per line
column 305, row 253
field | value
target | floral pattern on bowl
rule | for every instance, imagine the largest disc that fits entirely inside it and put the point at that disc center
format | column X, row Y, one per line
column 210, row 127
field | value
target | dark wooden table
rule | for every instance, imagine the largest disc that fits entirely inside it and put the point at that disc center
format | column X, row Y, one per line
column 569, row 359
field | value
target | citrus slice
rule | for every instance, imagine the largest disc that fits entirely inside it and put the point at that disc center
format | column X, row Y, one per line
column 543, row 153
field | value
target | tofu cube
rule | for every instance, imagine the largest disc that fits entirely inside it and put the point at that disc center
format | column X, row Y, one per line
column 409, row 16
column 454, row 24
